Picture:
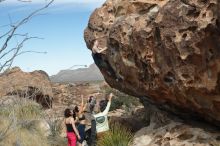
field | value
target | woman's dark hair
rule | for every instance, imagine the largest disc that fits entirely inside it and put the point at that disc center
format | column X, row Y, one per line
column 67, row 113
column 74, row 115
column 102, row 105
column 76, row 109
column 90, row 98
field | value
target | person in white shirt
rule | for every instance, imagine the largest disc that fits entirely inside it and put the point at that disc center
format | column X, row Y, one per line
column 101, row 117
column 99, row 121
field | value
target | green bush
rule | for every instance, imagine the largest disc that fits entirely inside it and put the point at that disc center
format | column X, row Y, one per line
column 121, row 99
column 116, row 104
column 117, row 136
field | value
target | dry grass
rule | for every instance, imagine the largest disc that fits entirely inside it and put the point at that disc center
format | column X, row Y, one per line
column 18, row 124
column 56, row 129
column 22, row 109
column 24, row 137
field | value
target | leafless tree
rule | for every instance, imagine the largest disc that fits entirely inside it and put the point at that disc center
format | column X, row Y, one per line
column 8, row 54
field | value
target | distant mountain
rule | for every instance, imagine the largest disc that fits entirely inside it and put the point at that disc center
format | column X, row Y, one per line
column 91, row 73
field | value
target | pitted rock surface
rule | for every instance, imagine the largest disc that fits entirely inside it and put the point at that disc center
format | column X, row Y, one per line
column 165, row 51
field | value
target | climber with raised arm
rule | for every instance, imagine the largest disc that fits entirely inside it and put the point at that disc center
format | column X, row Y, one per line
column 101, row 117
column 99, row 121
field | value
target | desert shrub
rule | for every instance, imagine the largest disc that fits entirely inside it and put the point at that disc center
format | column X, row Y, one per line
column 18, row 124
column 57, row 141
column 116, row 104
column 23, row 134
column 116, row 136
column 121, row 99
column 24, row 137
column 55, row 138
column 22, row 109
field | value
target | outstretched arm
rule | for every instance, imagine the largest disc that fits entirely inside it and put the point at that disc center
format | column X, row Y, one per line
column 81, row 109
column 82, row 106
column 105, row 112
column 101, row 50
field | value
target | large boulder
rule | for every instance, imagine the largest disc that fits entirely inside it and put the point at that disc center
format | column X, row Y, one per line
column 164, row 51
column 34, row 85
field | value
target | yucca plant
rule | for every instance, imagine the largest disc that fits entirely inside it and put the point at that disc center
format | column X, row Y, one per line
column 117, row 136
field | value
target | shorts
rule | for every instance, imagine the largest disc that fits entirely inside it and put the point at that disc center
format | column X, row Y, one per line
column 82, row 133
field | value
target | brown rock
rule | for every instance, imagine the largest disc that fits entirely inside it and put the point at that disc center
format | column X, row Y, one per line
column 34, row 85
column 162, row 50
column 164, row 130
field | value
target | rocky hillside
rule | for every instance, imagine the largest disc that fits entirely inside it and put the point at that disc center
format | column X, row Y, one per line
column 164, row 51
column 154, row 128
column 91, row 73
column 34, row 85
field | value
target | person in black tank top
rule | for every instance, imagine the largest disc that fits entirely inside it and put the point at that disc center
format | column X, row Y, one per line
column 71, row 129
column 81, row 121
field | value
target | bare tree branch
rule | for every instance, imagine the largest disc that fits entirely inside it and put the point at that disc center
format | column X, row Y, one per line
column 10, row 61
column 11, row 53
column 25, row 20
column 14, row 49
column 23, row 52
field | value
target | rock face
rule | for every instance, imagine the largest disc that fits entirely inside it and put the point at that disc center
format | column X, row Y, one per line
column 163, row 51
column 35, row 85
column 158, row 128
column 166, row 130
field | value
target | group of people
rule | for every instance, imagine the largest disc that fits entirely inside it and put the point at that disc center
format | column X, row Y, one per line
column 76, row 120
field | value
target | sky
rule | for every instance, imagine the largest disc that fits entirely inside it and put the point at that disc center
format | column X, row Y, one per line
column 60, row 29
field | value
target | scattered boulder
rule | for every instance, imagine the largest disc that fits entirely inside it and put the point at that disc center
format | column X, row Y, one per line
column 164, row 130
column 34, row 85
